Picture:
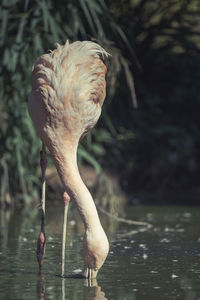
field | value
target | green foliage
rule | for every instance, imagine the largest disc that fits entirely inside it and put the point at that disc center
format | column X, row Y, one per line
column 157, row 41
column 165, row 37
column 28, row 29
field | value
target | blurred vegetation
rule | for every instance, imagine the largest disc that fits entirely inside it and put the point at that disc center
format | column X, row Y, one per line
column 164, row 154
column 153, row 148
column 28, row 29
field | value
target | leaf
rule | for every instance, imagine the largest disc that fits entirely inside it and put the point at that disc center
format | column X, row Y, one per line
column 88, row 17
column 130, row 81
column 93, row 7
column 4, row 18
column 45, row 14
column 91, row 160
column 97, row 149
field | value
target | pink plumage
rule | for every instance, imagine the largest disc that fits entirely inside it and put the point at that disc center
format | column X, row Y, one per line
column 68, row 91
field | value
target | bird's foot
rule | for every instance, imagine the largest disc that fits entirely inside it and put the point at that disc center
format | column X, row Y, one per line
column 41, row 244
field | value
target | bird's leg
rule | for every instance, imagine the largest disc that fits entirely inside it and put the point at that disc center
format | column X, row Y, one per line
column 66, row 199
column 42, row 238
column 63, row 289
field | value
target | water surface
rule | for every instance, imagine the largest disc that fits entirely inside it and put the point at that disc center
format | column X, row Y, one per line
column 162, row 263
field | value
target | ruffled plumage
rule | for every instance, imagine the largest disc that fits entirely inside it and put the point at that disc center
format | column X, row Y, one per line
column 69, row 85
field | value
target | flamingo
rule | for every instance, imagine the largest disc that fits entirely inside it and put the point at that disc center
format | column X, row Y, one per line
column 68, row 91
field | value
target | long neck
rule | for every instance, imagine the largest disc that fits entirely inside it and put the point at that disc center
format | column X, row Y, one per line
column 66, row 163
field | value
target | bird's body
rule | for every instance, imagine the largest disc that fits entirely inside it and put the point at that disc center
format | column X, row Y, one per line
column 69, row 87
column 68, row 90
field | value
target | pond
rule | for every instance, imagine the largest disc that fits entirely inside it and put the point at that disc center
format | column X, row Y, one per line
column 162, row 262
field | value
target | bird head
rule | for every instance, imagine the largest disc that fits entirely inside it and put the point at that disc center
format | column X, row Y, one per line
column 95, row 251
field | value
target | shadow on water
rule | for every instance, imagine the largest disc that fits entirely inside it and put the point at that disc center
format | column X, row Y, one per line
column 163, row 262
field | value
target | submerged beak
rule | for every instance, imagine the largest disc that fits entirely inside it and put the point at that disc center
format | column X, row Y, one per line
column 90, row 273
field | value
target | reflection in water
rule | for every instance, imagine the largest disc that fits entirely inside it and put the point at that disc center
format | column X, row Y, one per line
column 63, row 288
column 41, row 287
column 91, row 291
column 5, row 216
